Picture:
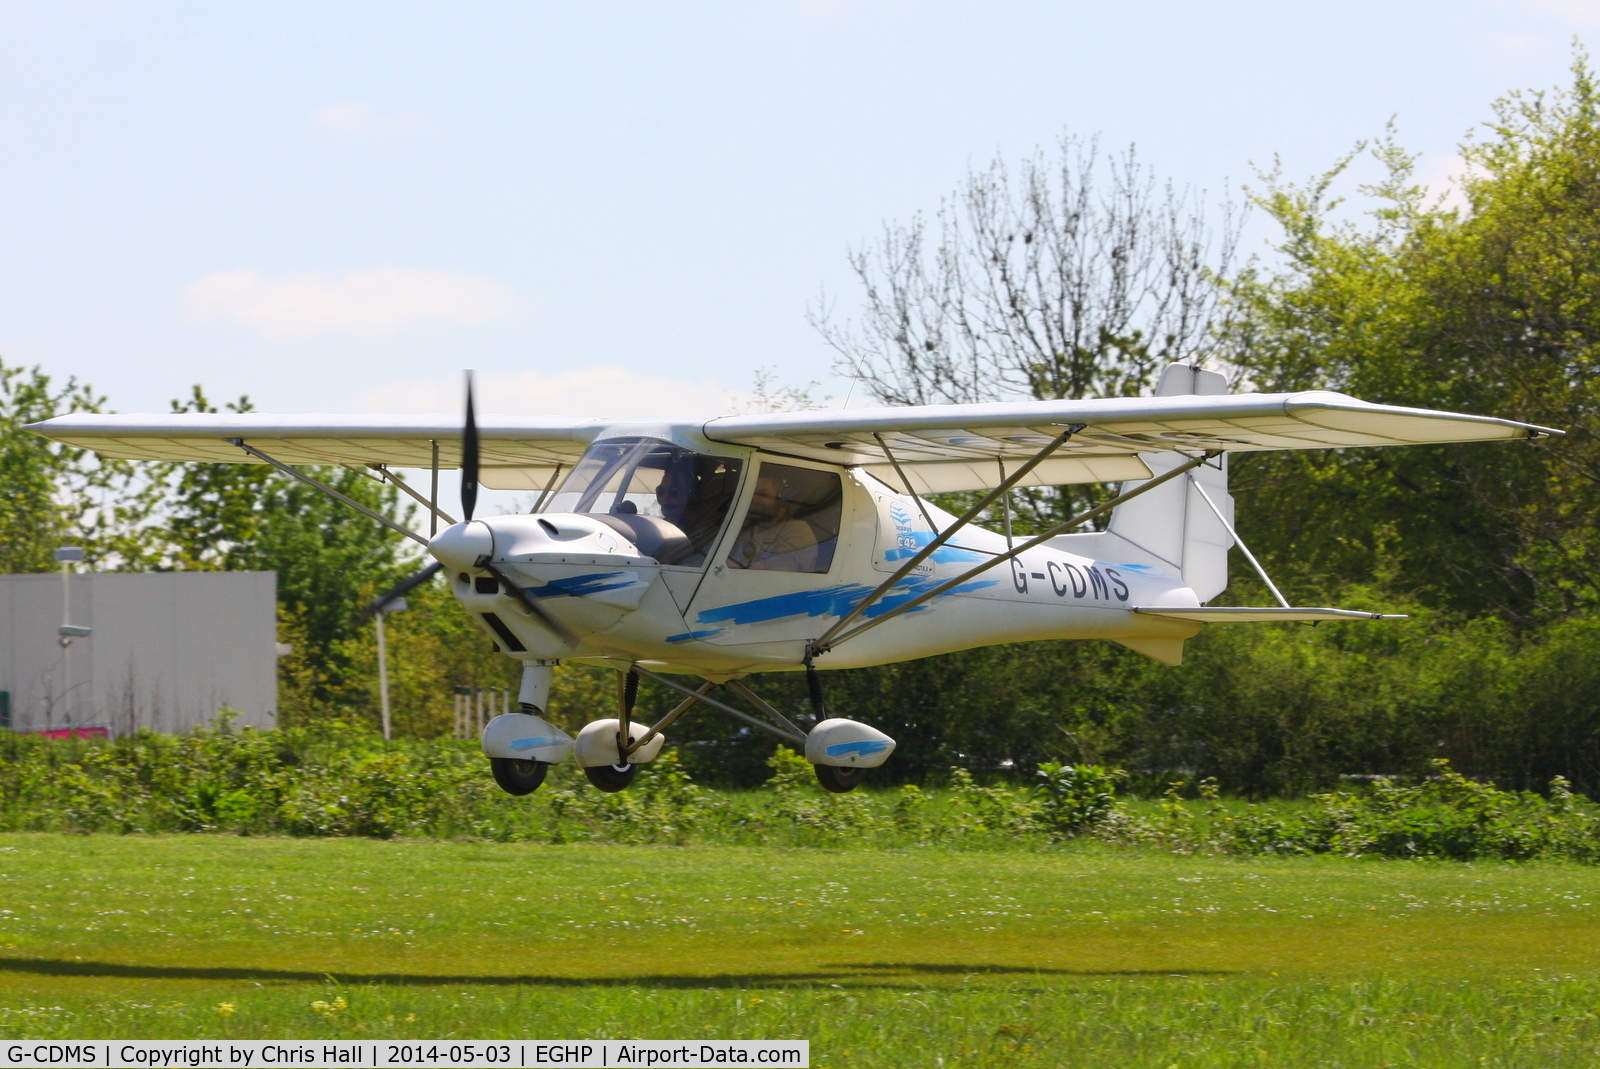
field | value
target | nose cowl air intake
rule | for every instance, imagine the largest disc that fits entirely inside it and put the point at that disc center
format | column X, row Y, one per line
column 571, row 563
column 462, row 546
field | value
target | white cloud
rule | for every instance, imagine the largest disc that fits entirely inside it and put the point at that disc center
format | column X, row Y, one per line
column 594, row 392
column 379, row 300
column 357, row 117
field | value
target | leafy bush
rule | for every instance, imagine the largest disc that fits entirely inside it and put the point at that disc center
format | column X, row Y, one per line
column 341, row 781
column 1444, row 816
column 1076, row 797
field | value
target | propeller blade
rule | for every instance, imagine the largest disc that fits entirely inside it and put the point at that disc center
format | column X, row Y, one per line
column 469, row 458
column 405, row 587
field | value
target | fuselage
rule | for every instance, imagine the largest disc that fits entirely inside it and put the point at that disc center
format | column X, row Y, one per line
column 714, row 560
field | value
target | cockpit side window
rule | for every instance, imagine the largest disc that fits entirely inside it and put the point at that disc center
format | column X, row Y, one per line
column 670, row 501
column 792, row 524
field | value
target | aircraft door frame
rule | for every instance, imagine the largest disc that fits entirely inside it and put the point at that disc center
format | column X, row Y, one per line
column 723, row 585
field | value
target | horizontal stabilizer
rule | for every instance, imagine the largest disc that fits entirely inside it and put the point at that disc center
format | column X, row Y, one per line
column 1269, row 614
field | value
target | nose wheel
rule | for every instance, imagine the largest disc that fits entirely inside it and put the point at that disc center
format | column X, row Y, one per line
column 516, row 776
column 611, row 778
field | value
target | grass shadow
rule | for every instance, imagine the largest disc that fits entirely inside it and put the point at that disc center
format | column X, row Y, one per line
column 1023, row 970
column 854, row 973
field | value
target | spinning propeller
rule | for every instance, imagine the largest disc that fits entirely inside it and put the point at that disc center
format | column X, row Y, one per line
column 469, row 459
column 469, row 503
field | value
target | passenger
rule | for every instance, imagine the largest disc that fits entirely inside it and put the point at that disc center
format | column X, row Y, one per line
column 772, row 537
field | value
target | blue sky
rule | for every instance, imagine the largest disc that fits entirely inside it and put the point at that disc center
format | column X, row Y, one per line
column 622, row 207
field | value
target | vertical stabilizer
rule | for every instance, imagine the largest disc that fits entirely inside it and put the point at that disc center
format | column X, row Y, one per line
column 1173, row 522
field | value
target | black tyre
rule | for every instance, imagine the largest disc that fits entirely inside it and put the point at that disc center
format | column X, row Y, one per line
column 838, row 780
column 611, row 778
column 516, row 776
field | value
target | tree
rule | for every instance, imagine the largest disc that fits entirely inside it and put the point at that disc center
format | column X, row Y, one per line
column 330, row 559
column 1076, row 276
column 1493, row 308
column 57, row 495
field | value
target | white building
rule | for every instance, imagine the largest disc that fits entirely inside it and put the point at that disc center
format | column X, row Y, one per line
column 165, row 650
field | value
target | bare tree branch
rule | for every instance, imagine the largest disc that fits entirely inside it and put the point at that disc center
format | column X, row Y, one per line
column 1079, row 275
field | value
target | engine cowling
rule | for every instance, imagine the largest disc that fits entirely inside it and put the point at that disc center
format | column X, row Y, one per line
column 582, row 570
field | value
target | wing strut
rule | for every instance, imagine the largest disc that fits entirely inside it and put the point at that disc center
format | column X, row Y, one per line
column 1251, row 557
column 405, row 488
column 433, row 493
column 828, row 641
column 906, row 482
column 330, row 491
column 824, row 643
column 545, row 493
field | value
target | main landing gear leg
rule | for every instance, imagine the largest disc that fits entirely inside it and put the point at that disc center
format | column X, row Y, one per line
column 833, row 779
column 613, row 778
column 515, row 775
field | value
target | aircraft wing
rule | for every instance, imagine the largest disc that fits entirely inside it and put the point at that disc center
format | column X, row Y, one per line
column 962, row 447
column 518, row 453
column 941, row 448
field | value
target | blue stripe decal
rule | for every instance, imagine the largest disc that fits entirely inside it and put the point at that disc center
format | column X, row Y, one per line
column 946, row 554
column 536, row 740
column 579, row 586
column 866, row 748
column 830, row 601
column 908, row 541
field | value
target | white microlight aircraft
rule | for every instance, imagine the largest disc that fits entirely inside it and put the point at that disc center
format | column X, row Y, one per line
column 802, row 541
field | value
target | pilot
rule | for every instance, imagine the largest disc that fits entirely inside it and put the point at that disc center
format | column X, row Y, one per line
column 673, row 493
column 695, row 503
column 773, row 538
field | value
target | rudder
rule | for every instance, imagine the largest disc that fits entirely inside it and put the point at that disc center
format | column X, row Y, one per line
column 1173, row 522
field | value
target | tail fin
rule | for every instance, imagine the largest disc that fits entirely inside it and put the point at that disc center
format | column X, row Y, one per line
column 1173, row 522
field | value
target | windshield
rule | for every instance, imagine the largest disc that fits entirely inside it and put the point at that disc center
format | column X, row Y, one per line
column 669, row 500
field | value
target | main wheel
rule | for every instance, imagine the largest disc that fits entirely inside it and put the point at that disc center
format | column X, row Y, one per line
column 611, row 778
column 838, row 780
column 516, row 776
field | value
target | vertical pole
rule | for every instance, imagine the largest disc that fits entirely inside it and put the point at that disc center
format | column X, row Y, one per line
column 66, row 642
column 383, row 678
column 433, row 498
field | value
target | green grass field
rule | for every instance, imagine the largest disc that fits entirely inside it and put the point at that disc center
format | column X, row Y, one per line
column 1084, row 956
